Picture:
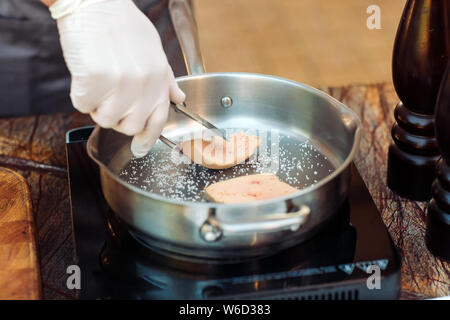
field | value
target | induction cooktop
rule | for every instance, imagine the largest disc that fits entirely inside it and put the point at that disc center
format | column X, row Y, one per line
column 353, row 257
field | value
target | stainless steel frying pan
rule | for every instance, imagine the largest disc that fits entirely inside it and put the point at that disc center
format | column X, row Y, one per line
column 315, row 129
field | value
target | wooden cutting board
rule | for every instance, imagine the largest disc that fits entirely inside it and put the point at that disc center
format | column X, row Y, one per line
column 19, row 264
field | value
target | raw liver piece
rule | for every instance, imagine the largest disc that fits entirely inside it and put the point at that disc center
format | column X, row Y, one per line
column 220, row 154
column 248, row 188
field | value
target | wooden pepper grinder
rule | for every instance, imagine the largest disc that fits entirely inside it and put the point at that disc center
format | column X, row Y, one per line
column 419, row 59
column 438, row 219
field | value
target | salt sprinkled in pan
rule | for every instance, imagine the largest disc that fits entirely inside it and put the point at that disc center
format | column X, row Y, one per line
column 296, row 161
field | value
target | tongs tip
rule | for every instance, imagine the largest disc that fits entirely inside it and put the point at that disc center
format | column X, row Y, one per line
column 181, row 107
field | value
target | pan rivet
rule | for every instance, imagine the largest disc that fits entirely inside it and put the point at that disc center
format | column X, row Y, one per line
column 209, row 232
column 227, row 102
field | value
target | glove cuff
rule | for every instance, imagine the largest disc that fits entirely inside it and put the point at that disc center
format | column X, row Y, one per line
column 62, row 8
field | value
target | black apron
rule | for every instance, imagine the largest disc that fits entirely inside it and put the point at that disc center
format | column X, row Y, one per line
column 33, row 75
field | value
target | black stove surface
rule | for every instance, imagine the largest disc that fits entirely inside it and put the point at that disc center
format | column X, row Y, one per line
column 332, row 265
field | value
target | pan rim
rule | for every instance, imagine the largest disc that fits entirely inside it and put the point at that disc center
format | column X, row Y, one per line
column 212, row 205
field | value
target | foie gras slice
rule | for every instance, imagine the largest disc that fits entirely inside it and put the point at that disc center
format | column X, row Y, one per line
column 248, row 188
column 219, row 153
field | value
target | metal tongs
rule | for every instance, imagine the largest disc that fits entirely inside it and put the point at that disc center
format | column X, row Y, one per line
column 181, row 107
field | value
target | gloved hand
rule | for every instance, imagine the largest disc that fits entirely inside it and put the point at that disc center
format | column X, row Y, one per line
column 120, row 73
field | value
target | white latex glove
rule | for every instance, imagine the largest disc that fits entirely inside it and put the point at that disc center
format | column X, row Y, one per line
column 120, row 73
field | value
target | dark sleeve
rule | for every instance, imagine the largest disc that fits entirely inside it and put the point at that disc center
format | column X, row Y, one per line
column 158, row 13
column 33, row 75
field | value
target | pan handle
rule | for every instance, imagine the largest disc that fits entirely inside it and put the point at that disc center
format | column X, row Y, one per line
column 186, row 30
column 213, row 230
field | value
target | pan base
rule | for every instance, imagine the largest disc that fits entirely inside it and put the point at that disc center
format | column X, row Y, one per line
column 219, row 256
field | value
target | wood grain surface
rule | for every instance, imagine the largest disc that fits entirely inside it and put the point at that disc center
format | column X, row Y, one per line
column 19, row 264
column 422, row 274
column 36, row 147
